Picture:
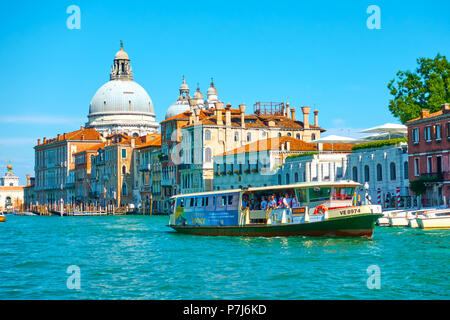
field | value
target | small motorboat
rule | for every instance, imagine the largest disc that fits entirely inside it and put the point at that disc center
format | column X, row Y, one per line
column 434, row 219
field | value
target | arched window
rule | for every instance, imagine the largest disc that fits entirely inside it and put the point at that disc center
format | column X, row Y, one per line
column 287, row 178
column 135, row 134
column 379, row 172
column 249, row 137
column 124, row 169
column 296, row 177
column 124, row 189
column 236, row 136
column 289, row 134
column 208, row 155
column 393, row 171
column 279, row 179
column 207, row 135
column 355, row 173
column 279, row 134
column 366, row 173
column 264, row 134
column 298, row 136
column 313, row 136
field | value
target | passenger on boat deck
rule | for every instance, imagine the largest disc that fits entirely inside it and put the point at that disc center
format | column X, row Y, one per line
column 251, row 205
column 273, row 202
column 244, row 202
column 286, row 201
column 295, row 204
column 263, row 203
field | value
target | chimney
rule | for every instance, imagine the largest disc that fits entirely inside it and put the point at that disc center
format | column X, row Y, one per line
column 305, row 111
column 446, row 107
column 287, row 110
column 293, row 113
column 45, row 140
column 28, row 179
column 219, row 107
column 242, row 110
column 57, row 138
column 284, row 111
column 191, row 117
column 316, row 118
column 39, row 142
column 197, row 114
column 81, row 128
column 424, row 113
column 228, row 115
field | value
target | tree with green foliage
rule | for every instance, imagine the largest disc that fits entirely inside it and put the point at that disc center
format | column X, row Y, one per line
column 418, row 187
column 426, row 88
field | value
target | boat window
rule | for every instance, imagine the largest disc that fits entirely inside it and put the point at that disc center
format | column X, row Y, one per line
column 343, row 193
column 180, row 202
column 210, row 203
column 302, row 195
column 191, row 202
column 221, row 203
column 206, row 201
column 230, row 200
column 319, row 193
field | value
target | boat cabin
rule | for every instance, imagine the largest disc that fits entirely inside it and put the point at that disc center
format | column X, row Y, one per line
column 296, row 203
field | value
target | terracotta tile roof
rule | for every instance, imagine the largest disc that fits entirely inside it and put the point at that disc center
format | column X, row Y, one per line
column 427, row 115
column 82, row 134
column 13, row 188
column 274, row 144
column 251, row 120
column 93, row 148
column 153, row 140
column 185, row 115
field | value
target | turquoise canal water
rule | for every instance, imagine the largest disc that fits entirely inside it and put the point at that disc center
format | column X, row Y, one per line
column 136, row 257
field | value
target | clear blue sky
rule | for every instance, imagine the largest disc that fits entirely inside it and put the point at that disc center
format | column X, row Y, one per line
column 317, row 53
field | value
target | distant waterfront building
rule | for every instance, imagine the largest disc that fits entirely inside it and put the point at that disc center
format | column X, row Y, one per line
column 215, row 131
column 384, row 168
column 54, row 160
column 112, row 172
column 11, row 194
column 257, row 164
column 148, row 174
column 122, row 105
column 326, row 165
column 429, row 159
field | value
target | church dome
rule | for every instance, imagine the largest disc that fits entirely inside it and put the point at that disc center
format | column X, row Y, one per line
column 121, row 54
column 122, row 105
column 121, row 96
column 178, row 107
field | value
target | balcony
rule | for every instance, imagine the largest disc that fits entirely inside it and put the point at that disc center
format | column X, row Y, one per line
column 432, row 177
column 167, row 182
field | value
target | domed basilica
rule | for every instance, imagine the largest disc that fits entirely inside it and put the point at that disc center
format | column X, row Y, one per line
column 121, row 105
column 186, row 103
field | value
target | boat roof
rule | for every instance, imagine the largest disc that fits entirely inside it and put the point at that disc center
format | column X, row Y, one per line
column 342, row 183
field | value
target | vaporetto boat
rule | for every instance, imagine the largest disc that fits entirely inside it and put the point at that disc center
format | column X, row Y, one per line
column 303, row 209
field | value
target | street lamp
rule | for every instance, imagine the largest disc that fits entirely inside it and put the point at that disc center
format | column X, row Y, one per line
column 366, row 188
